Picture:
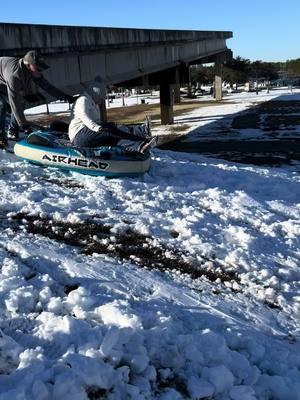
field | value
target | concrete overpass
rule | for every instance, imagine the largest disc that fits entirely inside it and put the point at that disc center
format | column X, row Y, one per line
column 119, row 55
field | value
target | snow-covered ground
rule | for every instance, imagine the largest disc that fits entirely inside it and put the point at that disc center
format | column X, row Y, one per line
column 200, row 123
column 215, row 122
column 113, row 103
column 81, row 323
column 153, row 98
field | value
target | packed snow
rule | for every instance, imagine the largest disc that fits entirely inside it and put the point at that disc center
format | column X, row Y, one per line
column 79, row 325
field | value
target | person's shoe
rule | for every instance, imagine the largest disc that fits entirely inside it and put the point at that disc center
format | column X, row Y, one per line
column 141, row 146
column 13, row 135
column 3, row 143
column 131, row 145
column 149, row 144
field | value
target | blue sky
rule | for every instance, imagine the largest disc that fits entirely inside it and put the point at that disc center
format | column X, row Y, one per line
column 267, row 30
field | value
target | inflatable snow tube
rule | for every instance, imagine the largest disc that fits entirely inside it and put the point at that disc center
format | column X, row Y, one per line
column 48, row 149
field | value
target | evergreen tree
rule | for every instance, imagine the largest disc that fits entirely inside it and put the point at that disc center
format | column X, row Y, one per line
column 237, row 70
column 293, row 66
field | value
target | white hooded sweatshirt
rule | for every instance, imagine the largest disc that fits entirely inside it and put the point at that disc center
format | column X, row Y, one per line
column 85, row 113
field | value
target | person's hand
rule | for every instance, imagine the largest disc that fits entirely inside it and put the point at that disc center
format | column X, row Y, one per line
column 27, row 129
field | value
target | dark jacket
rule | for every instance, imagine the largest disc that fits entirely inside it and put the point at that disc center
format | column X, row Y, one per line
column 15, row 83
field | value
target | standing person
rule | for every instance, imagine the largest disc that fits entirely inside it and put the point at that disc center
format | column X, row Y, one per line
column 16, row 76
column 87, row 129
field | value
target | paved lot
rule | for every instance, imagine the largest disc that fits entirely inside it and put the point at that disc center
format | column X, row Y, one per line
column 267, row 133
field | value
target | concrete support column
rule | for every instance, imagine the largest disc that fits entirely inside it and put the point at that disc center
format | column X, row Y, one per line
column 176, row 88
column 218, row 80
column 166, row 103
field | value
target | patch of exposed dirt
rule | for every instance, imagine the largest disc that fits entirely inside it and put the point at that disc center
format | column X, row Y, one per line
column 94, row 237
column 67, row 183
column 137, row 114
column 95, row 393
column 129, row 115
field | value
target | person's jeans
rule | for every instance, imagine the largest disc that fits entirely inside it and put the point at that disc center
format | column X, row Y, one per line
column 109, row 136
column 88, row 138
column 3, row 107
column 13, row 127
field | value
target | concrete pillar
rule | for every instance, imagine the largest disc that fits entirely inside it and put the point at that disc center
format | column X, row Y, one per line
column 218, row 80
column 176, row 88
column 166, row 103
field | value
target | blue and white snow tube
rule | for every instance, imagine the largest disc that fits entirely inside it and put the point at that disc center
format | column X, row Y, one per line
column 46, row 148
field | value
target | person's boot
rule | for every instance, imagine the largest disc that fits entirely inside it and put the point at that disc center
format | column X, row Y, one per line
column 131, row 146
column 144, row 131
column 13, row 135
column 3, row 142
column 141, row 146
column 149, row 145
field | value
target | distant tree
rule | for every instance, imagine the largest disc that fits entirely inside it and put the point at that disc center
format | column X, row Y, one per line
column 241, row 70
column 263, row 70
column 293, row 66
column 237, row 70
column 201, row 75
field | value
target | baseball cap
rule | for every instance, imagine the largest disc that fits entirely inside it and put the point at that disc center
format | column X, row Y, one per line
column 35, row 58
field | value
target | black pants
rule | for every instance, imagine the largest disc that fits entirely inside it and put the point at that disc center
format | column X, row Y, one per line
column 3, row 108
column 13, row 125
